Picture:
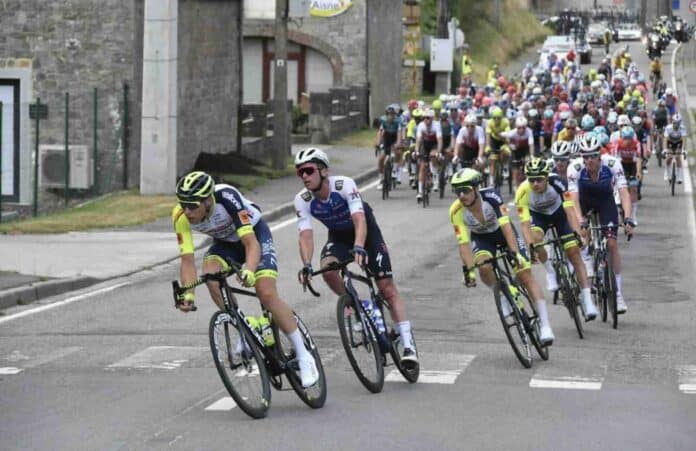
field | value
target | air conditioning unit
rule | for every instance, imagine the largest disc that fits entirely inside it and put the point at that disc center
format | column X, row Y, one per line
column 52, row 166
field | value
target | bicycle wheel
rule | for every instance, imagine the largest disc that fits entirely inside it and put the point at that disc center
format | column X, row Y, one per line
column 498, row 176
column 673, row 176
column 360, row 343
column 386, row 178
column 610, row 286
column 658, row 153
column 570, row 298
column 510, row 177
column 240, row 364
column 314, row 396
column 396, row 349
column 512, row 325
column 441, row 180
column 533, row 327
column 598, row 288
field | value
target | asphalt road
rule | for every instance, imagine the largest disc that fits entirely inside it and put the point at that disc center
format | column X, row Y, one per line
column 121, row 369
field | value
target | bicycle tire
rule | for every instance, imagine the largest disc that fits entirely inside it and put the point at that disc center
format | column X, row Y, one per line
column 498, row 176
column 533, row 327
column 522, row 350
column 386, row 178
column 226, row 360
column 610, row 283
column 348, row 314
column 572, row 303
column 598, row 283
column 441, row 181
column 510, row 181
column 396, row 348
column 673, row 177
column 314, row 396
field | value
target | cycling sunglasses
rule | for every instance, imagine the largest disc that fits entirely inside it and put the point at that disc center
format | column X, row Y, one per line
column 191, row 205
column 463, row 189
column 536, row 179
column 590, row 157
column 308, row 170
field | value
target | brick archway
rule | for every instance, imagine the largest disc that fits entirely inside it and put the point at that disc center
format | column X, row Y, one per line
column 252, row 30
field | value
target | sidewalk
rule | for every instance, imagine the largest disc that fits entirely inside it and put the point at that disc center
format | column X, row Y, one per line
column 47, row 265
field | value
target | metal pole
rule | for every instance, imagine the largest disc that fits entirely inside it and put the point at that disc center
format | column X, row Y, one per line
column 1, row 108
column 280, row 87
column 36, row 161
column 67, row 152
column 124, row 129
column 94, row 158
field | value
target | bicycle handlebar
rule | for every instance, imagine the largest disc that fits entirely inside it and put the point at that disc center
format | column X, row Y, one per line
column 179, row 290
column 333, row 266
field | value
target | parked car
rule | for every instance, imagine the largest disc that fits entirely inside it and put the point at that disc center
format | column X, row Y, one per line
column 561, row 45
column 595, row 32
column 629, row 32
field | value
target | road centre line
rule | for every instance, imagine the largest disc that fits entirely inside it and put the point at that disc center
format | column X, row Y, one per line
column 566, row 382
column 67, row 301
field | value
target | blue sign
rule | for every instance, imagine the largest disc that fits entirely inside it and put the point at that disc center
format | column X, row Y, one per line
column 675, row 5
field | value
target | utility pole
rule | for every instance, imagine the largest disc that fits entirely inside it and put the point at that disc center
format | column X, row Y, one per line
column 281, row 138
column 442, row 78
column 643, row 14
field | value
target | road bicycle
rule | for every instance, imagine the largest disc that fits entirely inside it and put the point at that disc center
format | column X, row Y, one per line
column 522, row 328
column 388, row 179
column 672, row 170
column 568, row 288
column 249, row 360
column 366, row 335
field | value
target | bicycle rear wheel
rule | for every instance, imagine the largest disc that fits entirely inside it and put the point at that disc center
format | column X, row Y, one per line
column 314, row 396
column 360, row 343
column 673, row 176
column 610, row 286
column 396, row 349
column 386, row 178
column 533, row 327
column 570, row 300
column 240, row 364
column 600, row 293
column 512, row 325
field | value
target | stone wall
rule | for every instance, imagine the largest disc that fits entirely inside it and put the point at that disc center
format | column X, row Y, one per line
column 209, row 75
column 75, row 46
column 384, row 50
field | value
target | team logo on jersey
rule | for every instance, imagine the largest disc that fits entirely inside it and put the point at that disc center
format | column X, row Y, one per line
column 339, row 184
column 354, row 194
column 306, row 196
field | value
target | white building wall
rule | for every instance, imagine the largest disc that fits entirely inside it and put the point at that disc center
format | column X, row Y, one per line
column 253, row 60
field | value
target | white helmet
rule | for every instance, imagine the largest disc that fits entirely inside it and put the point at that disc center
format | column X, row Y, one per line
column 310, row 155
column 520, row 121
column 596, row 84
column 589, row 145
column 470, row 119
column 429, row 113
column 537, row 91
column 602, row 77
column 669, row 92
column 443, row 97
column 623, row 120
column 560, row 150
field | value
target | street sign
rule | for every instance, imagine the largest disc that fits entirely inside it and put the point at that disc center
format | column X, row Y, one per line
column 38, row 111
column 692, row 6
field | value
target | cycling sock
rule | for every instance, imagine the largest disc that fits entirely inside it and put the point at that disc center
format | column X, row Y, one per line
column 587, row 295
column 297, row 343
column 540, row 306
column 420, row 187
column 405, row 332
column 679, row 173
column 549, row 267
column 618, row 283
column 634, row 211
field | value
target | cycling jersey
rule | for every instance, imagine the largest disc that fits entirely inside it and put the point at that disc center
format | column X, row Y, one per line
column 428, row 135
column 656, row 66
column 627, row 150
column 389, row 126
column 495, row 214
column 555, row 196
column 232, row 217
column 521, row 143
column 446, row 128
column 660, row 117
column 471, row 141
column 496, row 130
column 564, row 135
column 675, row 137
column 411, row 129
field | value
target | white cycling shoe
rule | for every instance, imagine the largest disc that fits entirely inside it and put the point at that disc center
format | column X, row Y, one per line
column 551, row 282
column 620, row 304
column 309, row 375
column 546, row 335
column 591, row 311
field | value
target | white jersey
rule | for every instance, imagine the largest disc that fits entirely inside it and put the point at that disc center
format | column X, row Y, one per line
column 422, row 130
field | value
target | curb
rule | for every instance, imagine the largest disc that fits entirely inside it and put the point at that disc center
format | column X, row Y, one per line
column 39, row 290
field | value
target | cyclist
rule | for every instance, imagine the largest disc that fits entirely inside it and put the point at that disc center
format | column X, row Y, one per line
column 241, row 236
column 670, row 101
column 628, row 149
column 569, row 131
column 591, row 182
column 560, row 153
column 428, row 146
column 335, row 202
column 675, row 135
column 496, row 143
column 447, row 151
column 388, row 136
column 542, row 201
column 521, row 141
column 660, row 116
column 470, row 143
column 481, row 221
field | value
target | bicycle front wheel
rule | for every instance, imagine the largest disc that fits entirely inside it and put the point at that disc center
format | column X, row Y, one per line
column 600, row 292
column 571, row 301
column 610, row 286
column 512, row 325
column 240, row 364
column 360, row 343
column 386, row 178
column 314, row 396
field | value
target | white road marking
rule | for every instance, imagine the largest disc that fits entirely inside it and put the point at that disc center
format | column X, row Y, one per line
column 160, row 357
column 443, row 376
column 69, row 300
column 222, row 404
column 687, row 379
column 566, row 382
column 9, row 370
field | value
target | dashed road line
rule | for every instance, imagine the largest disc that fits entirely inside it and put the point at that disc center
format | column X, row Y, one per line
column 459, row 362
column 159, row 357
column 687, row 379
column 566, row 382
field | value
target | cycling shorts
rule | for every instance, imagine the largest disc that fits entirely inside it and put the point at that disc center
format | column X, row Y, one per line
column 227, row 253
column 388, row 139
column 485, row 245
column 558, row 219
column 606, row 209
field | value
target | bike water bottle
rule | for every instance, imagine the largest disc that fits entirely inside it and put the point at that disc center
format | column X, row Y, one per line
column 266, row 331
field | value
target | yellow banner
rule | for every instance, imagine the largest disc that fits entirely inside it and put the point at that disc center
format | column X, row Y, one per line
column 328, row 8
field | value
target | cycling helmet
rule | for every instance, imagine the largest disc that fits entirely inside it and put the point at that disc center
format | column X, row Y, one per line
column 412, row 104
column 548, row 113
column 571, row 123
column 496, row 112
column 437, row 104
column 599, row 129
column 444, row 114
column 637, row 120
column 612, row 117
column 390, row 109
column 676, row 119
column 511, row 113
column 536, row 167
column 589, row 145
column 603, row 138
column 563, row 107
column 470, row 119
column 623, row 120
column 564, row 115
column 195, row 186
column 480, row 113
column 669, row 92
column 466, row 177
column 417, row 113
column 443, row 97
column 628, row 133
column 533, row 112
column 521, row 122
column 429, row 113
column 560, row 150
column 587, row 123
column 311, row 155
